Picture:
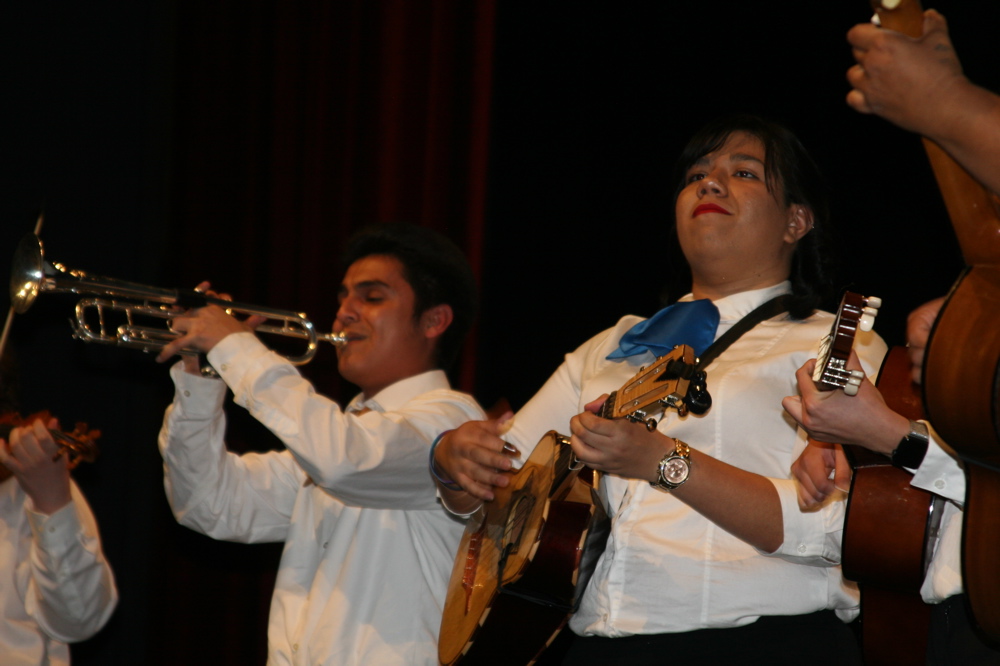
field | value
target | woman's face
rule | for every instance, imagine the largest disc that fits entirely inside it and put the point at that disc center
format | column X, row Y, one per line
column 728, row 219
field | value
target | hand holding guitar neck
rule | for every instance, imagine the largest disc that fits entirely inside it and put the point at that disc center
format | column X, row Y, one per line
column 909, row 74
column 864, row 418
column 831, row 371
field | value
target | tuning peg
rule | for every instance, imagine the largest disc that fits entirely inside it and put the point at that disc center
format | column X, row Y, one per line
column 854, row 382
column 867, row 319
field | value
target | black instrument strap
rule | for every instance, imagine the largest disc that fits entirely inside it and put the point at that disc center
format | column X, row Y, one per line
column 772, row 308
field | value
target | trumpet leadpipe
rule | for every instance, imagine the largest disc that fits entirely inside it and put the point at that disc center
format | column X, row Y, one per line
column 33, row 275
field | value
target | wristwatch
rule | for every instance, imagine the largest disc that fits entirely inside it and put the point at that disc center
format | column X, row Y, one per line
column 911, row 449
column 674, row 469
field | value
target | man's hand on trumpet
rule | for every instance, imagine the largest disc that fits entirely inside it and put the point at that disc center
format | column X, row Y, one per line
column 203, row 328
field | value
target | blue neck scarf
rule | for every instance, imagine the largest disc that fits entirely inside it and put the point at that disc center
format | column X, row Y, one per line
column 691, row 323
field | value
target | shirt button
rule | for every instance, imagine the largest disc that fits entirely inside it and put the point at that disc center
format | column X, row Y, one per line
column 187, row 394
column 295, row 647
column 940, row 484
column 802, row 548
column 224, row 367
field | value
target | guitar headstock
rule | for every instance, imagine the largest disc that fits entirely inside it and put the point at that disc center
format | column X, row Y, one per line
column 855, row 312
column 662, row 385
column 905, row 16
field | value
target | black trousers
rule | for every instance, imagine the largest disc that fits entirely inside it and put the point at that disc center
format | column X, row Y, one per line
column 954, row 641
column 817, row 639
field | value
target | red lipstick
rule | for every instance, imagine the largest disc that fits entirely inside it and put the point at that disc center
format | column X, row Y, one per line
column 709, row 208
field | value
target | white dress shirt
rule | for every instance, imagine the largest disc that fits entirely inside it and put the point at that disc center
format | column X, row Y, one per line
column 941, row 473
column 55, row 585
column 666, row 567
column 368, row 547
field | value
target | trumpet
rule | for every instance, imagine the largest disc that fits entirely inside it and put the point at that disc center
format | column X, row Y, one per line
column 32, row 275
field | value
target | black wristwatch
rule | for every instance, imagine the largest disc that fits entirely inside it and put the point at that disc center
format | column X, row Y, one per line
column 911, row 449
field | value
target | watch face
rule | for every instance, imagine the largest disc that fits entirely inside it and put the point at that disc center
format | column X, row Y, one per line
column 676, row 471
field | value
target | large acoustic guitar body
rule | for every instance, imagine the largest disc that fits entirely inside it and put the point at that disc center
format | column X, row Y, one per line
column 960, row 375
column 961, row 391
column 961, row 372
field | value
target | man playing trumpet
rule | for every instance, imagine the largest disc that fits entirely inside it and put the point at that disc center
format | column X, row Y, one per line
column 368, row 549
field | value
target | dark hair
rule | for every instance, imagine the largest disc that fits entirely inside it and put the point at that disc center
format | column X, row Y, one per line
column 434, row 267
column 788, row 165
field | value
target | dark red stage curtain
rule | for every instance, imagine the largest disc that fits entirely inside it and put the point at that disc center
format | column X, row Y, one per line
column 296, row 124
column 300, row 122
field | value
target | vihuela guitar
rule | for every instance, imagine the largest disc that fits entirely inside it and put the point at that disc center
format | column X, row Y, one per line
column 888, row 522
column 526, row 557
column 961, row 372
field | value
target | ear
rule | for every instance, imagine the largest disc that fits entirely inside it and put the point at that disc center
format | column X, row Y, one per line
column 800, row 222
column 436, row 320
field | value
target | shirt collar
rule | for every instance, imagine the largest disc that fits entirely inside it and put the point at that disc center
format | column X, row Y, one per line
column 736, row 306
column 395, row 396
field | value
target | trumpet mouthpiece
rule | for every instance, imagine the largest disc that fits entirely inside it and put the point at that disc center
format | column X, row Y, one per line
column 338, row 339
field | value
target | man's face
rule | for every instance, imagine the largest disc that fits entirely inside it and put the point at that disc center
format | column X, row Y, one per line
column 385, row 342
column 727, row 216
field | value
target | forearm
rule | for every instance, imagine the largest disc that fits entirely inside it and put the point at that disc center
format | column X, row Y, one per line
column 969, row 131
column 72, row 590
column 743, row 503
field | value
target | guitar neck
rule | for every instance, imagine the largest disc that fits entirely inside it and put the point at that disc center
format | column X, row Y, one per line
column 564, row 470
column 971, row 207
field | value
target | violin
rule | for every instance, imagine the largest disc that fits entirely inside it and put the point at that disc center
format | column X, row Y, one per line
column 78, row 446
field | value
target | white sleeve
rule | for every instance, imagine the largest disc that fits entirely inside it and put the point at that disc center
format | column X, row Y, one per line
column 376, row 459
column 71, row 592
column 245, row 498
column 560, row 398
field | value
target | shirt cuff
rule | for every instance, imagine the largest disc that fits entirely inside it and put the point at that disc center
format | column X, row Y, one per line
column 940, row 472
column 55, row 533
column 198, row 397
column 810, row 537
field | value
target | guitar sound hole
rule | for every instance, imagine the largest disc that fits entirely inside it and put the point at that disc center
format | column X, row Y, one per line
column 514, row 528
column 516, row 520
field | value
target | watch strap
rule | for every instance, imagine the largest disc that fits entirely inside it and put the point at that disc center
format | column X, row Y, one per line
column 910, row 451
